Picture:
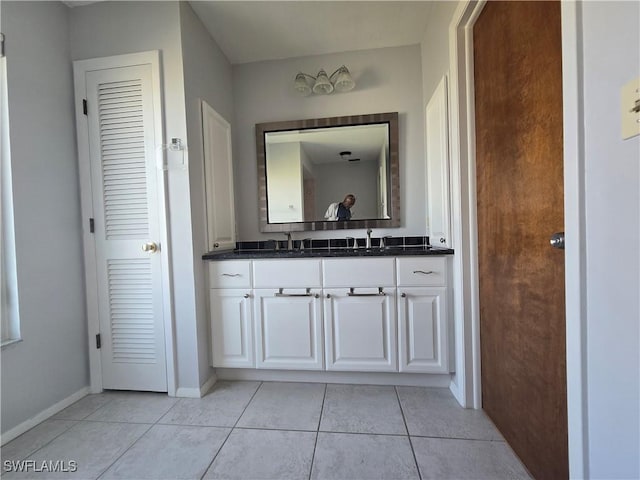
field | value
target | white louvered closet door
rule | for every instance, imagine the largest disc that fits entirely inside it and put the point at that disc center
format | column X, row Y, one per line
column 126, row 210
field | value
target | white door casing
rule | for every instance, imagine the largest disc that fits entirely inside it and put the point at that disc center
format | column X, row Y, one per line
column 216, row 134
column 123, row 190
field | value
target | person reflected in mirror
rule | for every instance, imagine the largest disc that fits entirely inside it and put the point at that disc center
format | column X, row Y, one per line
column 341, row 211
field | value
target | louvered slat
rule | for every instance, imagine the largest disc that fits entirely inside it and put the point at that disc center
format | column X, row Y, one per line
column 122, row 144
column 131, row 313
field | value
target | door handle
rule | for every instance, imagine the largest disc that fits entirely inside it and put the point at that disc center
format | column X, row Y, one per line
column 150, row 247
column 306, row 294
column 557, row 240
column 351, row 293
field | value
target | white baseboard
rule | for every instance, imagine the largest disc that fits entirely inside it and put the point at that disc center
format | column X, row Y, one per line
column 186, row 392
column 361, row 378
column 44, row 415
column 456, row 393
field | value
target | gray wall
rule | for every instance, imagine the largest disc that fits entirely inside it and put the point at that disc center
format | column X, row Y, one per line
column 611, row 58
column 335, row 180
column 207, row 76
column 51, row 363
column 387, row 80
column 435, row 47
column 115, row 28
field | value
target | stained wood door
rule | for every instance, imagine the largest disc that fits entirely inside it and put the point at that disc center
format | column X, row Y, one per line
column 518, row 102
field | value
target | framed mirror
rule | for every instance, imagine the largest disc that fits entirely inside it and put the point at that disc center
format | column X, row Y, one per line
column 306, row 168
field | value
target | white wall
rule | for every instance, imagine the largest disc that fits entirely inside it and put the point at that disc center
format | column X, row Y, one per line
column 435, row 48
column 207, row 76
column 387, row 80
column 611, row 58
column 115, row 28
column 51, row 363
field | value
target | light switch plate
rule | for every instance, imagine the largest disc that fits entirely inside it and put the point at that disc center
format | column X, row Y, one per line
column 630, row 119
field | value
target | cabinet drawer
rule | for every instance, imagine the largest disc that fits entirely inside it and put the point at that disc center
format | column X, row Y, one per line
column 359, row 272
column 230, row 274
column 422, row 271
column 290, row 273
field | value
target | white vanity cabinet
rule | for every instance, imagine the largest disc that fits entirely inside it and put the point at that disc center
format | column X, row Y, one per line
column 288, row 314
column 422, row 315
column 231, row 314
column 371, row 314
column 359, row 314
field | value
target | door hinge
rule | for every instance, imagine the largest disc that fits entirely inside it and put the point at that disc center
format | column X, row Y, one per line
column 92, row 226
column 84, row 106
column 98, row 342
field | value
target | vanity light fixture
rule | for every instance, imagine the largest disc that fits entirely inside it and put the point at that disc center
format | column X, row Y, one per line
column 322, row 84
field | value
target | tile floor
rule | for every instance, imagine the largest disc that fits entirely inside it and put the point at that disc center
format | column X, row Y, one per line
column 270, row 430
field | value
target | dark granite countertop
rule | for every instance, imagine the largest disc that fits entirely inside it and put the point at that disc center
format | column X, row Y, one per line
column 323, row 252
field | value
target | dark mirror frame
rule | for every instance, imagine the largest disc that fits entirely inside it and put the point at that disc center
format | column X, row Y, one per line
column 394, row 172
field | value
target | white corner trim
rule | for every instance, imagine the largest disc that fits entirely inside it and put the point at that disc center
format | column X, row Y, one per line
column 44, row 415
column 575, row 256
column 189, row 392
column 456, row 392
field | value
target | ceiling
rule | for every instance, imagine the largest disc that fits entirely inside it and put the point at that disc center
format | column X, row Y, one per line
column 251, row 31
column 323, row 145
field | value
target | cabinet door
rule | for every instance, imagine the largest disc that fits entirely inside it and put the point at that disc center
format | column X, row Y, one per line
column 288, row 329
column 424, row 333
column 231, row 328
column 218, row 166
column 360, row 330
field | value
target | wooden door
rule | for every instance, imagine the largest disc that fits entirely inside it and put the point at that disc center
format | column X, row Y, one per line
column 518, row 102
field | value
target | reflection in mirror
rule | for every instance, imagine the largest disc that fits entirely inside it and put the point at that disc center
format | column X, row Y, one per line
column 306, row 168
column 310, row 170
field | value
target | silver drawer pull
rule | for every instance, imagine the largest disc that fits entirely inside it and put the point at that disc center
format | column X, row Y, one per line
column 351, row 293
column 423, row 272
column 231, row 275
column 308, row 293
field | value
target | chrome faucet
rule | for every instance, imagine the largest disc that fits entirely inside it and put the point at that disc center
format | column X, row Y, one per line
column 368, row 244
column 289, row 241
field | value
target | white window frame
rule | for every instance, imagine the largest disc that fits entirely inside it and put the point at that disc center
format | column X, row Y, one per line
column 9, row 313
